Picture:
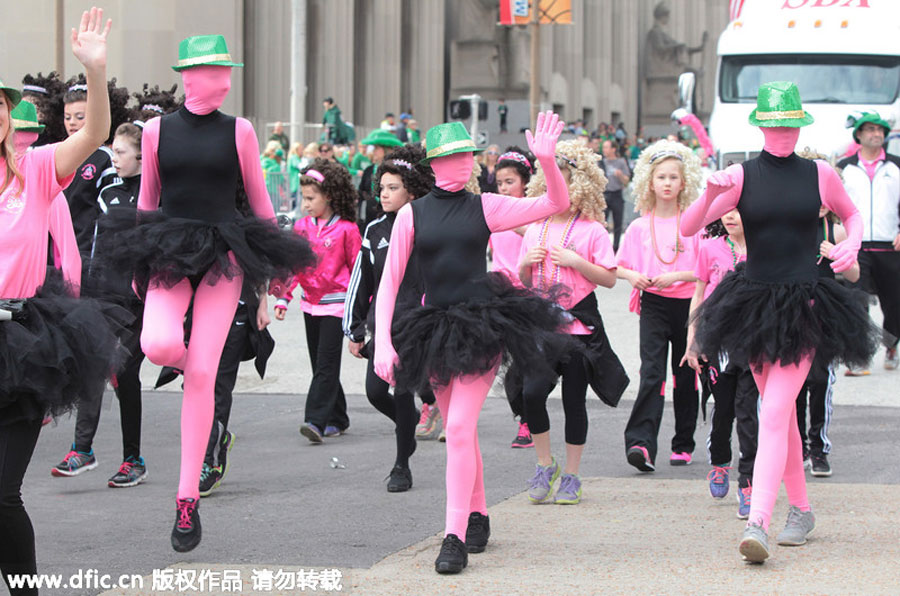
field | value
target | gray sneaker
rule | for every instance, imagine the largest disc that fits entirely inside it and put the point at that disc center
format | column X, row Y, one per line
column 541, row 484
column 800, row 524
column 755, row 544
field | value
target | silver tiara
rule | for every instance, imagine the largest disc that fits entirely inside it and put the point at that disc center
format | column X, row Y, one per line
column 402, row 162
column 78, row 87
column 35, row 89
column 152, row 107
column 665, row 155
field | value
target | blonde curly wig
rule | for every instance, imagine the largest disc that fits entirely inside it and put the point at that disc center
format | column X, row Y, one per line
column 586, row 183
column 644, row 197
column 472, row 185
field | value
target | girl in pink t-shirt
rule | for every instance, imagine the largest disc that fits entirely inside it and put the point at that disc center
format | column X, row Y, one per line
column 569, row 254
column 514, row 170
column 659, row 262
column 731, row 383
column 330, row 227
column 55, row 349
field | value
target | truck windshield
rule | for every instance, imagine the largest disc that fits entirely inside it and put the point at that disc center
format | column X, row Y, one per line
column 825, row 78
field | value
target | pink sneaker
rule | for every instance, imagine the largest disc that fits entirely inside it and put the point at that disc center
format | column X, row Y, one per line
column 523, row 438
column 639, row 457
column 680, row 459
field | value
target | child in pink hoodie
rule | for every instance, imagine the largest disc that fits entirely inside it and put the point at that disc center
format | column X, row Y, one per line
column 330, row 227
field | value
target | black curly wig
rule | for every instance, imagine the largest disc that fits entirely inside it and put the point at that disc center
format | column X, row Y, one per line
column 49, row 105
column 716, row 229
column 405, row 162
column 337, row 186
column 523, row 170
column 153, row 102
column 118, row 102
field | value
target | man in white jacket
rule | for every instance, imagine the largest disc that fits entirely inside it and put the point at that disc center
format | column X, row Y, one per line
column 872, row 179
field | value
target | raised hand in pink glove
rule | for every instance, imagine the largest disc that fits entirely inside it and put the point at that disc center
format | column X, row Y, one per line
column 722, row 181
column 546, row 132
column 844, row 254
column 386, row 359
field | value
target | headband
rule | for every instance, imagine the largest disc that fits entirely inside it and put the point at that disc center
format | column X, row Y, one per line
column 78, row 87
column 139, row 124
column 152, row 107
column 35, row 89
column 515, row 156
column 665, row 155
column 315, row 175
column 402, row 162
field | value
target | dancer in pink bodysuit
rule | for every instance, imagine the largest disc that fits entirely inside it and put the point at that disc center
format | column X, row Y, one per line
column 471, row 319
column 777, row 314
column 192, row 243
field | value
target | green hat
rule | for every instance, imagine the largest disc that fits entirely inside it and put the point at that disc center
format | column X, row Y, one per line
column 381, row 138
column 12, row 93
column 872, row 117
column 203, row 50
column 446, row 139
column 778, row 104
column 24, row 117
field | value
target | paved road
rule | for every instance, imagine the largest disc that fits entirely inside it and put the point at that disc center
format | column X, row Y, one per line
column 283, row 505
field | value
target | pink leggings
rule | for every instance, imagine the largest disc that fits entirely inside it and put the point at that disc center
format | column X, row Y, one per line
column 162, row 340
column 780, row 452
column 460, row 404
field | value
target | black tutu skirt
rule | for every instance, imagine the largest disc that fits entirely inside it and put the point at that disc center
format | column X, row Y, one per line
column 57, row 352
column 163, row 250
column 513, row 326
column 755, row 322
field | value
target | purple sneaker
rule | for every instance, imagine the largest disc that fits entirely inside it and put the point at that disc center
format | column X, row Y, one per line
column 743, row 496
column 718, row 481
column 333, row 431
column 311, row 432
column 541, row 484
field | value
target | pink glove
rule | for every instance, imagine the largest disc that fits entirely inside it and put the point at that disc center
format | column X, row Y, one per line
column 385, row 360
column 546, row 133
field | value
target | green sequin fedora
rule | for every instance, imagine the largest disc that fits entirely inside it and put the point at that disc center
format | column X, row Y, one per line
column 201, row 50
column 446, row 139
column 12, row 93
column 24, row 117
column 778, row 104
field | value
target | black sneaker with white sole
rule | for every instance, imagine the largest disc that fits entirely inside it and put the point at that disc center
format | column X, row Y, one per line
column 820, row 465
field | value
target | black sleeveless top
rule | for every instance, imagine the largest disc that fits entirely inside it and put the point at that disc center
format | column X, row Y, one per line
column 450, row 243
column 198, row 166
column 779, row 209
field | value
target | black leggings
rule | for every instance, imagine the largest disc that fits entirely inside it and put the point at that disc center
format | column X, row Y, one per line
column 536, row 389
column 128, row 391
column 400, row 408
column 17, row 555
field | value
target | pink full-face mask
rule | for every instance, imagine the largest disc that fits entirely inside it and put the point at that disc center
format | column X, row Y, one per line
column 23, row 140
column 453, row 171
column 205, row 88
column 780, row 140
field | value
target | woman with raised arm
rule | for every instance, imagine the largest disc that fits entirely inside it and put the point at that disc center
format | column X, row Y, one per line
column 471, row 320
column 55, row 349
column 777, row 314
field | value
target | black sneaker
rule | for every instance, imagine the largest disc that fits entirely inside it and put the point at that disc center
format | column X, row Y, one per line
column 131, row 473
column 225, row 446
column 210, row 479
column 400, row 480
column 820, row 465
column 453, row 557
column 478, row 532
column 186, row 532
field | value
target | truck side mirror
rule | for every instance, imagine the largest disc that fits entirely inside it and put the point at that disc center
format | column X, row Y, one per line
column 686, row 83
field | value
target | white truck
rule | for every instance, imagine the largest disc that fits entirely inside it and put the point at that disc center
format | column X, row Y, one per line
column 844, row 55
